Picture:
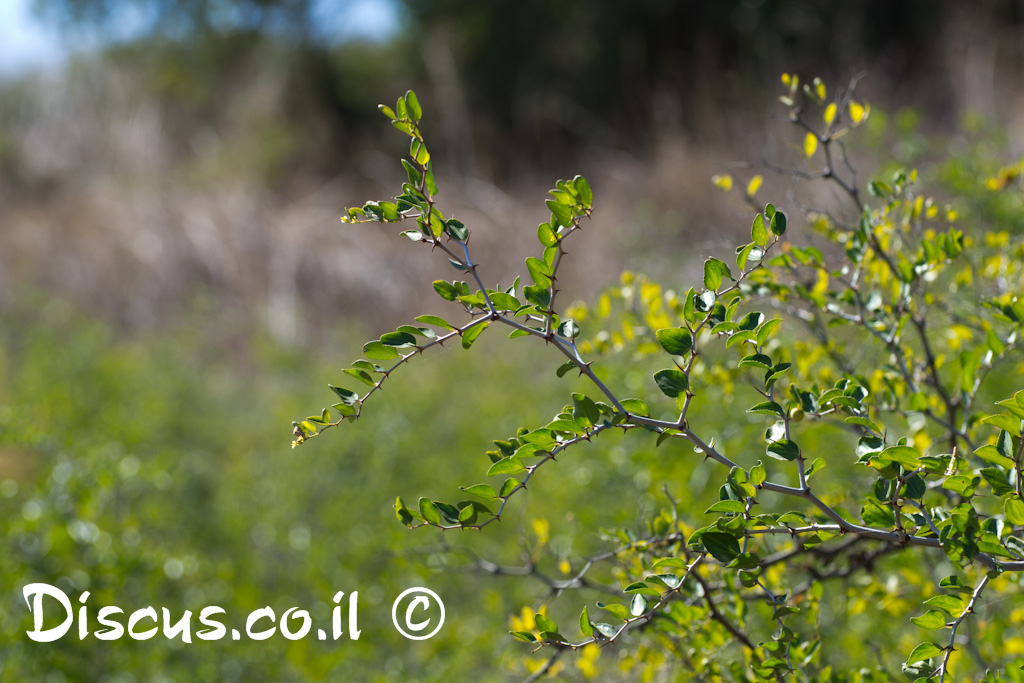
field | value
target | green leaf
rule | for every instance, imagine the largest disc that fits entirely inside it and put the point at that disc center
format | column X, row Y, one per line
column 740, row 338
column 476, row 300
column 948, row 603
column 677, row 341
column 484, row 491
column 545, row 623
column 1013, row 406
column 429, row 511
column 421, row 331
column 778, row 224
column 586, row 628
column 953, row 582
column 361, row 375
column 561, row 213
column 566, row 426
column 758, row 474
column 756, row 360
column 671, row 382
column 733, row 506
column 766, row 329
column 546, row 235
column 750, row 321
column 349, row 398
column 997, row 479
column 428, row 179
column 414, row 105
column 403, row 126
column 930, row 620
column 638, row 605
column 877, row 515
column 759, row 233
column 745, row 561
column 792, row 519
column 510, row 465
column 704, row 302
column 510, row 485
column 714, row 272
column 642, row 588
column 768, row 408
column 447, row 290
column 583, row 188
column 615, row 610
column 1013, row 508
column 991, row 454
column 670, row 563
column 524, row 636
column 569, row 329
column 915, row 488
column 412, row 172
column 378, row 351
column 869, row 445
column 636, row 407
column 864, row 422
column 816, row 466
column 403, row 513
column 742, row 255
column 449, row 513
column 470, row 335
column 907, row 456
column 418, row 152
column 724, row 547
column 389, row 211
column 434, row 320
column 783, row 449
column 457, row 229
column 1005, row 422
column 923, row 651
column 540, row 272
column 537, row 295
column 398, row 339
column 584, row 408
column 564, row 368
column 504, row 302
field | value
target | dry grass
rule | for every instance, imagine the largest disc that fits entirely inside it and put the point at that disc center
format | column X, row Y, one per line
column 107, row 201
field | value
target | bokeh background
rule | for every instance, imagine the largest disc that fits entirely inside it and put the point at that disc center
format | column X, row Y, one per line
column 175, row 286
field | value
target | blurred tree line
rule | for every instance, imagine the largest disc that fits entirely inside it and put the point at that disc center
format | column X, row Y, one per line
column 530, row 74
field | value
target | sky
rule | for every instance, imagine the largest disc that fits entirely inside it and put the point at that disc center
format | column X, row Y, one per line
column 28, row 45
column 24, row 43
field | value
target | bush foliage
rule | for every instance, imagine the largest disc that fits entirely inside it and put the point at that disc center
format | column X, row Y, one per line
column 832, row 412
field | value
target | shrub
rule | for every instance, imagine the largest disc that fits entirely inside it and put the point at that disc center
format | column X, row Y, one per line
column 843, row 405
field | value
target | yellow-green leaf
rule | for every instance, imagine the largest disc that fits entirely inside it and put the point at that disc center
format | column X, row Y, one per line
column 754, row 185
column 1013, row 508
column 858, row 112
column 722, row 181
column 830, row 114
column 810, row 144
column 923, row 651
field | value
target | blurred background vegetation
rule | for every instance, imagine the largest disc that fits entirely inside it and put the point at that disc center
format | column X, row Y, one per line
column 175, row 286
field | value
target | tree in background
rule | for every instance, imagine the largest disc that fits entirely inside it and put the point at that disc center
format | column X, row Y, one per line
column 562, row 76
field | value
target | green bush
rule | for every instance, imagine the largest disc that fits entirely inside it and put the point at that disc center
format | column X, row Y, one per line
column 833, row 422
column 146, row 471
